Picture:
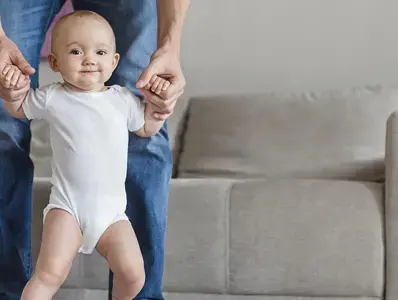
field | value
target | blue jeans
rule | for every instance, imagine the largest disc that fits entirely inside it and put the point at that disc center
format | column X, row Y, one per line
column 149, row 163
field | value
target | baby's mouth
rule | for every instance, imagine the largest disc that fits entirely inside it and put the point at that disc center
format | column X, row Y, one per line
column 89, row 71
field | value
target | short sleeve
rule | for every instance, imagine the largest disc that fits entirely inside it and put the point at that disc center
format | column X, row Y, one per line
column 35, row 104
column 136, row 110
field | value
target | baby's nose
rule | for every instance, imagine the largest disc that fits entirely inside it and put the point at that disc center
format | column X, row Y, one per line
column 88, row 61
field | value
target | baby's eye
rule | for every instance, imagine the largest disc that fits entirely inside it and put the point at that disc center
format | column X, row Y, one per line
column 75, row 52
column 101, row 52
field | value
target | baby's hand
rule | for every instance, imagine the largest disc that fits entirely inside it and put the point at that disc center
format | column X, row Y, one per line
column 157, row 84
column 12, row 78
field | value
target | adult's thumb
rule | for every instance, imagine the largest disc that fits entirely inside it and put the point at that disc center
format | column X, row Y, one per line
column 146, row 76
column 22, row 63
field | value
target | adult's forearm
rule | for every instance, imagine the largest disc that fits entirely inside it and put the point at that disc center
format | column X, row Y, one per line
column 171, row 16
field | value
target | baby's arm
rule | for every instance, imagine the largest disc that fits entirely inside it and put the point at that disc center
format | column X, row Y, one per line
column 152, row 125
column 13, row 79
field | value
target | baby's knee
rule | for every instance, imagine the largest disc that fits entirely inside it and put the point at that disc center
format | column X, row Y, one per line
column 51, row 278
column 132, row 279
column 136, row 283
column 135, row 279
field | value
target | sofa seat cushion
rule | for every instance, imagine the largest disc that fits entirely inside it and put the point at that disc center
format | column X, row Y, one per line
column 306, row 237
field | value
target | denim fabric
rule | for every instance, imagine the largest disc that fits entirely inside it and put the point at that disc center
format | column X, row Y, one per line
column 149, row 164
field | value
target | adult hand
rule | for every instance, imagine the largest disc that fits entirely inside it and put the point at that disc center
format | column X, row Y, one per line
column 10, row 55
column 167, row 105
column 166, row 64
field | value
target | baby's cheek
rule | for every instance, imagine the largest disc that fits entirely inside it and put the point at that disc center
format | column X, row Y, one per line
column 105, row 75
column 66, row 67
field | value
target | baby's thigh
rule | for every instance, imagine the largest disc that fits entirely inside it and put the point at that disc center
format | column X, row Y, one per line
column 61, row 240
column 119, row 246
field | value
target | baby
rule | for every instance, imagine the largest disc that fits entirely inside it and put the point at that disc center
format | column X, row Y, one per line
column 89, row 124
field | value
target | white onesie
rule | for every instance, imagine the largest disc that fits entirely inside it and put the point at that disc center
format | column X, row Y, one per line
column 89, row 140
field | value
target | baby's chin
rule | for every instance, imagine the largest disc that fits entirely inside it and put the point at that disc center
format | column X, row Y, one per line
column 85, row 86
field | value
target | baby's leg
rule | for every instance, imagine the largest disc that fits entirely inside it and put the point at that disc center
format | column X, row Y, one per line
column 61, row 240
column 119, row 246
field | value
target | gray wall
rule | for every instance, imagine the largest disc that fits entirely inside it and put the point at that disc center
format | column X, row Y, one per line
column 258, row 45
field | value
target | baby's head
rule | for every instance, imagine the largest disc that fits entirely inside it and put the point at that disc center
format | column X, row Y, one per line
column 83, row 50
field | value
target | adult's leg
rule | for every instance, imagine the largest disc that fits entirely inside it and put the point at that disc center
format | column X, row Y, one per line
column 25, row 23
column 150, row 161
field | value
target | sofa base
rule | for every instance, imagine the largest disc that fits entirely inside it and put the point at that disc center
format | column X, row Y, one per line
column 97, row 294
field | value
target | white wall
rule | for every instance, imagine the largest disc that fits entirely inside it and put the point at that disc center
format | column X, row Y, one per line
column 260, row 45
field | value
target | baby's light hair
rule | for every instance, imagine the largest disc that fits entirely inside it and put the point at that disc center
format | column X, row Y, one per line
column 79, row 14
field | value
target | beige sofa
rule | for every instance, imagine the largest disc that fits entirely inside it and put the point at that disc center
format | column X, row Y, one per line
column 276, row 197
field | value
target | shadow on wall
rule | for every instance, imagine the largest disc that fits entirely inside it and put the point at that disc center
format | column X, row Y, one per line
column 65, row 9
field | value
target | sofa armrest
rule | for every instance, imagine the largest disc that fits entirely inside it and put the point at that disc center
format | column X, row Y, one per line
column 391, row 207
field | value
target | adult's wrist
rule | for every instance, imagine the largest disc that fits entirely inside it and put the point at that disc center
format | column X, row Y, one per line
column 169, row 47
column 2, row 33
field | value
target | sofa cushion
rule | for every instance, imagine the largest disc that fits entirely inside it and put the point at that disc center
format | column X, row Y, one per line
column 306, row 237
column 81, row 294
column 337, row 134
column 197, row 235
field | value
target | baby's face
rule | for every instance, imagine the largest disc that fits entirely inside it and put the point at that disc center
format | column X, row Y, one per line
column 84, row 53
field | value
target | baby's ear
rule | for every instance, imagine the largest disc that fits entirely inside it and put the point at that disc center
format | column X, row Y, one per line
column 52, row 60
column 115, row 61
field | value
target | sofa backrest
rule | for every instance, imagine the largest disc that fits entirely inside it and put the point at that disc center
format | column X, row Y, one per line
column 335, row 134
